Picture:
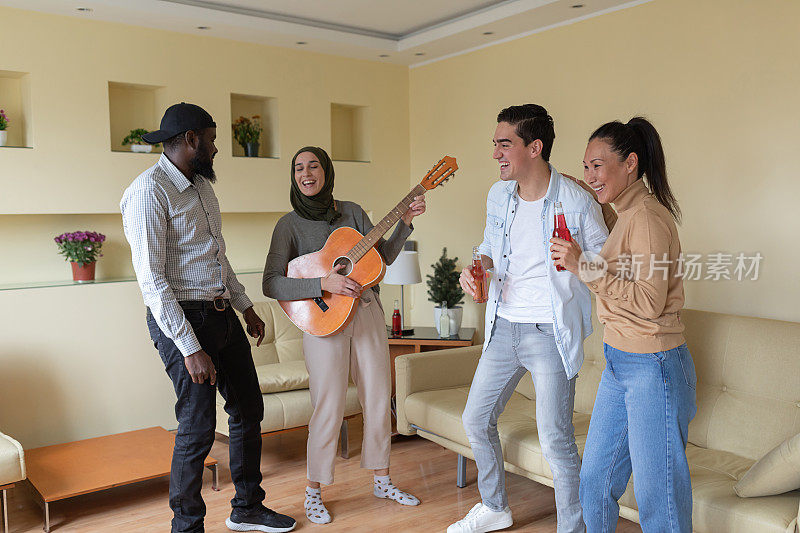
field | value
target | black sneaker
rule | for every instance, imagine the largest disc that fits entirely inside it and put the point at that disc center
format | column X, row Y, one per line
column 259, row 519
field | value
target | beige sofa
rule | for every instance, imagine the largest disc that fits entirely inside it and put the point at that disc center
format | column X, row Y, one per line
column 748, row 398
column 283, row 377
column 12, row 470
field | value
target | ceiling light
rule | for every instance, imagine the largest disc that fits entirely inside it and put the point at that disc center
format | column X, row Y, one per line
column 204, row 27
column 577, row 6
column 301, row 42
column 488, row 33
column 85, row 9
column 420, row 54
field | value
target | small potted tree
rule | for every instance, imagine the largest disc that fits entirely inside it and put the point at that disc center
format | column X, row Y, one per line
column 81, row 249
column 137, row 144
column 3, row 127
column 247, row 132
column 443, row 286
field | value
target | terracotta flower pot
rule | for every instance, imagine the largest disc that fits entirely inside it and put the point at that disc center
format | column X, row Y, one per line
column 83, row 274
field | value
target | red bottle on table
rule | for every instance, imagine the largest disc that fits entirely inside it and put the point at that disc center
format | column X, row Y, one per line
column 397, row 330
column 560, row 228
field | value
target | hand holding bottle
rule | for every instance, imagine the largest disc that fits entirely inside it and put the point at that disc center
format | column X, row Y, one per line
column 474, row 278
column 560, row 230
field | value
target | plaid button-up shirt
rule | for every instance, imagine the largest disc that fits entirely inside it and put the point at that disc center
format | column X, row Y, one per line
column 174, row 228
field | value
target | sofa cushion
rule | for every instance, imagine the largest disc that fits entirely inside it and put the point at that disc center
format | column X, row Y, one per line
column 287, row 410
column 281, row 377
column 282, row 341
column 439, row 411
column 12, row 461
column 715, row 504
column 748, row 374
column 716, row 507
column 775, row 473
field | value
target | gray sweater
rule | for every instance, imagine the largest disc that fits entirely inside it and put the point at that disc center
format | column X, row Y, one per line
column 295, row 236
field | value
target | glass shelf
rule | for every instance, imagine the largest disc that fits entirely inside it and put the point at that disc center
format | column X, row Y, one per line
column 70, row 283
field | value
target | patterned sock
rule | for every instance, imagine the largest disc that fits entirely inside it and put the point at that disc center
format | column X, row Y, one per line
column 384, row 488
column 315, row 509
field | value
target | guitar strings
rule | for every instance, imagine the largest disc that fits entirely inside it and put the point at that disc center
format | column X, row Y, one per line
column 363, row 246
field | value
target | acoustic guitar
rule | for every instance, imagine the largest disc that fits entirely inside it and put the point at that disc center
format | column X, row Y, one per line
column 331, row 313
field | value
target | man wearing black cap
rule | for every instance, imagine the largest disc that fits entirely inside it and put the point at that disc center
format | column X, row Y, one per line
column 172, row 221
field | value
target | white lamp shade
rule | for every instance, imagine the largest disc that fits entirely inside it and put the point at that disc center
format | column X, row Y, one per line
column 404, row 270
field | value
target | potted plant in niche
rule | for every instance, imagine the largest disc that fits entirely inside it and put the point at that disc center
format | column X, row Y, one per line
column 443, row 286
column 137, row 144
column 81, row 248
column 247, row 132
column 3, row 127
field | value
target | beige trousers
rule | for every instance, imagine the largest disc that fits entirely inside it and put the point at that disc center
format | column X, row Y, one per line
column 360, row 350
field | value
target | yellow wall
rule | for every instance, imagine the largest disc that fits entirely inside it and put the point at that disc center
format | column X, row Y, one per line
column 76, row 361
column 71, row 61
column 718, row 79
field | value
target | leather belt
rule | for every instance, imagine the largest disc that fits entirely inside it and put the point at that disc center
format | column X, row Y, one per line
column 217, row 304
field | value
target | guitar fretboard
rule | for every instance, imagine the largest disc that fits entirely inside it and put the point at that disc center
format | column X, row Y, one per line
column 370, row 239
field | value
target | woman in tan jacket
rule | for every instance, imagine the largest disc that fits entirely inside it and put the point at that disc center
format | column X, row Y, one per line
column 646, row 396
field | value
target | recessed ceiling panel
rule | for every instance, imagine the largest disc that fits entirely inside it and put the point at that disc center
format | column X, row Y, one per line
column 388, row 17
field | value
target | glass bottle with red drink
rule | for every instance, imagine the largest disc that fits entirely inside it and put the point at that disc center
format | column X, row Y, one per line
column 560, row 228
column 479, row 274
column 397, row 328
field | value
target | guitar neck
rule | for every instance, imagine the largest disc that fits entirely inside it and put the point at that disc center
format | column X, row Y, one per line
column 380, row 229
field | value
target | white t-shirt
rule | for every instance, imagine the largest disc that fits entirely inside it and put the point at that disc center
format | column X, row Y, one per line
column 526, row 291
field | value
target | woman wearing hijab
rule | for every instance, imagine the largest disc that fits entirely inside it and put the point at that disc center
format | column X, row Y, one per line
column 361, row 348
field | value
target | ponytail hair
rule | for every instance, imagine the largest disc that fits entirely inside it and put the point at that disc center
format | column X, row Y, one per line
column 639, row 136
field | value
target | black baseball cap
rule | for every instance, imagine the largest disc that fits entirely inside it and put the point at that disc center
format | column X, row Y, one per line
column 180, row 118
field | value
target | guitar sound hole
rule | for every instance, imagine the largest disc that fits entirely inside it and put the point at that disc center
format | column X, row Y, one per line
column 348, row 265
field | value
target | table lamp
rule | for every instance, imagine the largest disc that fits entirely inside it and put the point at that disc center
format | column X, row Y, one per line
column 404, row 271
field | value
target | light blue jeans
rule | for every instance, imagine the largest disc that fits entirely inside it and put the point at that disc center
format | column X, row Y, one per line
column 514, row 349
column 640, row 423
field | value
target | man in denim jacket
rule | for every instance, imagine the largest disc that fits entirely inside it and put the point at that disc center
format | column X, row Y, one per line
column 536, row 316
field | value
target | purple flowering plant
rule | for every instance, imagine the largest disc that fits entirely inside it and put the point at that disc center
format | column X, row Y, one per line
column 3, row 120
column 82, row 247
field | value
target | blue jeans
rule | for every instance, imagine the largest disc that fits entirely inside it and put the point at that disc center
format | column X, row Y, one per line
column 222, row 337
column 514, row 349
column 640, row 423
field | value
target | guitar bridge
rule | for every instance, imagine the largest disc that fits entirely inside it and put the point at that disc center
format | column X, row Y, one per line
column 321, row 303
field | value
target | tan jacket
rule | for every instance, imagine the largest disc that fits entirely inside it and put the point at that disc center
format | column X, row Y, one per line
column 640, row 296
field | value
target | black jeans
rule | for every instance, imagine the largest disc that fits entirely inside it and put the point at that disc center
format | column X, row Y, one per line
column 221, row 335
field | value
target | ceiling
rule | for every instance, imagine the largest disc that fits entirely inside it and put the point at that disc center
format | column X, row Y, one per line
column 407, row 32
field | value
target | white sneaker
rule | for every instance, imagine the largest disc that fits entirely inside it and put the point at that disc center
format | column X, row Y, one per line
column 481, row 519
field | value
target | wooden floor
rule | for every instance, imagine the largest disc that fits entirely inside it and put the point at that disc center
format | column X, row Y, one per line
column 419, row 466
